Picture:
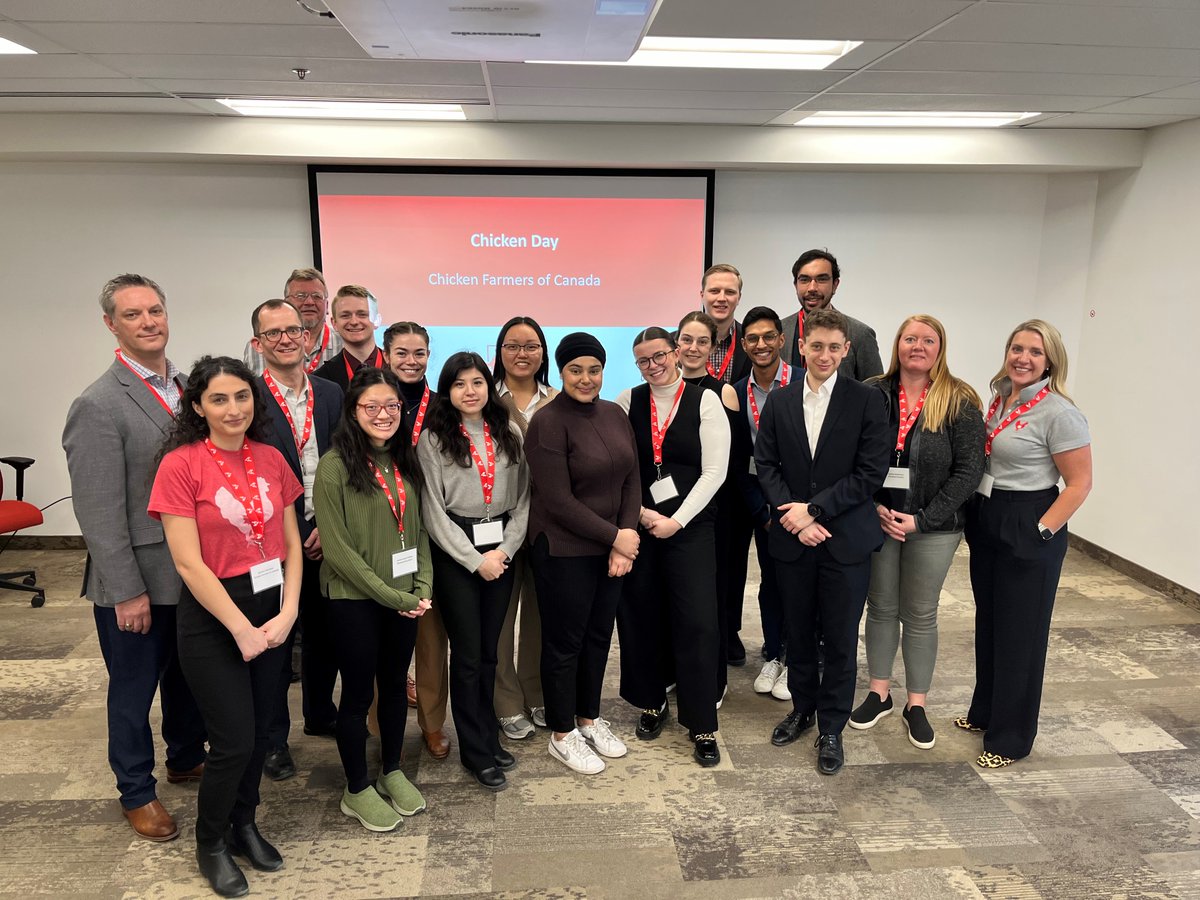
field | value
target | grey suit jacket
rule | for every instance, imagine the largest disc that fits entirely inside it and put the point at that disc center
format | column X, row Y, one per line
column 861, row 363
column 113, row 432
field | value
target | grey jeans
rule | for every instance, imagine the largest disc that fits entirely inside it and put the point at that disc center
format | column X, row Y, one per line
column 906, row 581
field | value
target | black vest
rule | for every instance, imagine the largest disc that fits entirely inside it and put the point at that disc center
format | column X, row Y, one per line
column 681, row 446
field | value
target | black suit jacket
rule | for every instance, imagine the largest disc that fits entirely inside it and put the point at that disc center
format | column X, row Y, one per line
column 850, row 463
column 335, row 371
column 327, row 409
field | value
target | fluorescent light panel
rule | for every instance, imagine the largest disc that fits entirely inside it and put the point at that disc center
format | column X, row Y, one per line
column 726, row 53
column 7, row 46
column 912, row 119
column 345, row 109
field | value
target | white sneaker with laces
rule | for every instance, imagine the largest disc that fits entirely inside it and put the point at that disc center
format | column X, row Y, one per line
column 574, row 753
column 779, row 690
column 599, row 735
column 516, row 727
column 768, row 676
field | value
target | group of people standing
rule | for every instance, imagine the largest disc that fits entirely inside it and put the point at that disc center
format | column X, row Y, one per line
column 321, row 479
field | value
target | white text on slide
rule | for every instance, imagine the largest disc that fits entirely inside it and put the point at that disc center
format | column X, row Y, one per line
column 485, row 279
column 480, row 239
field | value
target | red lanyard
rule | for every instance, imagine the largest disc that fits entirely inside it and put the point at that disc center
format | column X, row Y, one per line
column 487, row 469
column 387, row 491
column 301, row 439
column 252, row 504
column 420, row 422
column 311, row 367
column 1017, row 412
column 375, row 363
column 658, row 435
column 907, row 419
column 785, row 372
column 153, row 390
column 720, row 375
column 800, row 335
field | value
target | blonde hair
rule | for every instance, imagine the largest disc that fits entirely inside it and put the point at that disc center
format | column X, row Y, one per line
column 1056, row 356
column 947, row 393
column 720, row 267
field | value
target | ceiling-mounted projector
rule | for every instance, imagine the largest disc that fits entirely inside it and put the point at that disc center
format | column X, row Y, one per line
column 600, row 30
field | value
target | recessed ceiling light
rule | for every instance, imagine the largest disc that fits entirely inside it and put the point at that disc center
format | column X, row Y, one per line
column 345, row 109
column 726, row 53
column 7, row 46
column 912, row 119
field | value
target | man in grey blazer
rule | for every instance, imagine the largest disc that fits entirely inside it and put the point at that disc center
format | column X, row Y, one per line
column 816, row 277
column 113, row 432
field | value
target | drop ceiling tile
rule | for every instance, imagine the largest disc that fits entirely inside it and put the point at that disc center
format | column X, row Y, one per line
column 934, row 56
column 876, row 81
column 1156, row 4
column 54, row 65
column 959, row 102
column 1060, row 24
column 255, row 68
column 509, row 74
column 324, row 39
column 1154, row 106
column 95, row 105
column 1187, row 91
column 690, row 100
column 1101, row 120
column 634, row 114
column 10, row 86
column 223, row 88
column 257, row 11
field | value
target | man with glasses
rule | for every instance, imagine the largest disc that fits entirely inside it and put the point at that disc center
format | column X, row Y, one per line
column 355, row 315
column 302, row 412
column 816, row 276
column 305, row 290
column 720, row 293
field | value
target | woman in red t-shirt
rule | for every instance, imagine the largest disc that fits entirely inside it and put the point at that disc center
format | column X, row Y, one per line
column 225, row 501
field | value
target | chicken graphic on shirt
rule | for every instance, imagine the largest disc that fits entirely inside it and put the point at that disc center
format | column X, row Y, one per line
column 232, row 510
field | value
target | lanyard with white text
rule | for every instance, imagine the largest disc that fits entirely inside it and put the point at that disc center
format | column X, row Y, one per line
column 907, row 419
column 151, row 388
column 785, row 372
column 420, row 421
column 720, row 374
column 315, row 363
column 300, row 438
column 658, row 435
column 397, row 512
column 376, row 362
column 487, row 468
column 252, row 504
column 1017, row 411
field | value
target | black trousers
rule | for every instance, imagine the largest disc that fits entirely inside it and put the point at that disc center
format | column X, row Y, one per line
column 668, row 614
column 237, row 699
column 1014, row 576
column 823, row 600
column 473, row 612
column 578, row 602
column 374, row 645
column 770, row 604
column 734, row 529
column 138, row 665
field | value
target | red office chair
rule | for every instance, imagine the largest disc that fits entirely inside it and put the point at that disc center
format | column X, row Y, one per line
column 15, row 515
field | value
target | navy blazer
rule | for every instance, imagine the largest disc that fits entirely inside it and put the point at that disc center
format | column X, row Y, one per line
column 850, row 463
column 327, row 409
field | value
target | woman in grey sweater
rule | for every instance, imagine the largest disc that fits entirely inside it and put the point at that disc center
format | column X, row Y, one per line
column 938, row 423
column 476, row 510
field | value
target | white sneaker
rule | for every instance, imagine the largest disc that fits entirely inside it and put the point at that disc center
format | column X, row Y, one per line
column 768, row 676
column 538, row 714
column 574, row 753
column 599, row 735
column 779, row 690
column 516, row 727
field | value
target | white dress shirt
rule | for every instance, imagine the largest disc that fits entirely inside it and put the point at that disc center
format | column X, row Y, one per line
column 816, row 404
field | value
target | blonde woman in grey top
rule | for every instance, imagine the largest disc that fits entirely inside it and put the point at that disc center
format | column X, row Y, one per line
column 476, row 510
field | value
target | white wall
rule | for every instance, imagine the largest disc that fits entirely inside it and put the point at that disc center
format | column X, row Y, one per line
column 1133, row 375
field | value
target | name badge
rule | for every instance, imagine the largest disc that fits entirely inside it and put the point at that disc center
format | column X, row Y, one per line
column 985, row 484
column 404, row 562
column 896, row 478
column 664, row 489
column 753, row 467
column 487, row 534
column 267, row 574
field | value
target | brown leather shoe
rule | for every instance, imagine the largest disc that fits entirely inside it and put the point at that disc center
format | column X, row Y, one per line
column 438, row 743
column 412, row 693
column 174, row 777
column 152, row 822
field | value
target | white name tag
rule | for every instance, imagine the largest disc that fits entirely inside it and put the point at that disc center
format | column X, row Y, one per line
column 985, row 484
column 487, row 534
column 896, row 478
column 664, row 489
column 404, row 562
column 267, row 574
column 753, row 467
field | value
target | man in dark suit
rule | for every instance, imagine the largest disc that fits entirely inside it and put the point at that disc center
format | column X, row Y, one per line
column 112, row 436
column 302, row 411
column 822, row 452
column 355, row 314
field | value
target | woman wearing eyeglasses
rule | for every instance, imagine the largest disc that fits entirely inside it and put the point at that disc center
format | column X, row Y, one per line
column 378, row 576
column 521, row 374
column 670, row 598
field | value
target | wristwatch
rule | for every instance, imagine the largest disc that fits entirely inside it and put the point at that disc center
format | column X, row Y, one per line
column 1045, row 532
column 815, row 511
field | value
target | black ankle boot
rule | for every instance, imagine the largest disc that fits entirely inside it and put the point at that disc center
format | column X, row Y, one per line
column 245, row 840
column 223, row 874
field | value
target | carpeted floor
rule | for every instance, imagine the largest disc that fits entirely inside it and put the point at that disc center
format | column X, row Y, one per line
column 1108, row 805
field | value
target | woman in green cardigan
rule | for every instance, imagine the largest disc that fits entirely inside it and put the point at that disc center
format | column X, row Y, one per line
column 378, row 577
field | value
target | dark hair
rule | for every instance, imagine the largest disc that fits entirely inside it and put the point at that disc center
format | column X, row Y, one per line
column 812, row 255
column 443, row 420
column 542, row 376
column 654, row 333
column 268, row 304
column 697, row 315
column 826, row 318
column 761, row 313
column 353, row 446
column 189, row 426
column 399, row 328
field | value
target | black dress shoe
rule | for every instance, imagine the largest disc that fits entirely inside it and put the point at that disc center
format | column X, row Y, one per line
column 224, row 876
column 793, row 725
column 278, row 766
column 830, row 755
column 650, row 725
column 328, row 729
column 504, row 760
column 491, row 778
column 735, row 653
column 245, row 840
column 706, row 752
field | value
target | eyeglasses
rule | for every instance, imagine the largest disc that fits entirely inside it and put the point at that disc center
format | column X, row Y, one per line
column 686, row 340
column 808, row 279
column 646, row 361
column 401, row 355
column 529, row 349
column 274, row 335
column 301, row 296
column 374, row 409
column 755, row 339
